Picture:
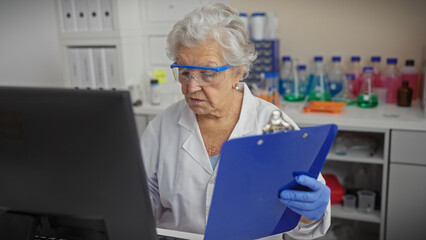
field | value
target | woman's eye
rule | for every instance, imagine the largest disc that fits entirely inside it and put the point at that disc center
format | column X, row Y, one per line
column 185, row 73
column 209, row 74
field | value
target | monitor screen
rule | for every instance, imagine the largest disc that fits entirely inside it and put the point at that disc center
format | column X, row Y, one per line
column 70, row 166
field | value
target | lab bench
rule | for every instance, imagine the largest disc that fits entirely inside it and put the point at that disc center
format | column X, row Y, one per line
column 395, row 169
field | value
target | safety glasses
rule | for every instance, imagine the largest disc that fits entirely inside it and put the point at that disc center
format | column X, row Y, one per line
column 204, row 76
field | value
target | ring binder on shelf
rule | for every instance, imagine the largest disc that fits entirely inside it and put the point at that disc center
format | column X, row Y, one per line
column 68, row 16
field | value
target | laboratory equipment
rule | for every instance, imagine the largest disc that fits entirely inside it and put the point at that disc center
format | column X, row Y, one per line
column 155, row 92
column 285, row 76
column 277, row 123
column 390, row 79
column 244, row 18
column 296, row 88
column 353, row 75
column 409, row 73
column 366, row 200
column 375, row 63
column 349, row 202
column 367, row 97
column 324, row 106
column 404, row 96
column 71, row 159
column 257, row 26
column 318, row 87
column 335, row 77
column 271, row 26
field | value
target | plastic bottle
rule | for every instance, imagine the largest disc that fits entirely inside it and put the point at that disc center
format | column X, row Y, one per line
column 271, row 26
column 257, row 26
column 285, row 76
column 405, row 94
column 319, row 88
column 353, row 75
column 409, row 73
column 298, row 84
column 375, row 63
column 367, row 97
column 302, row 73
column 155, row 92
column 244, row 18
column 335, row 76
column 390, row 79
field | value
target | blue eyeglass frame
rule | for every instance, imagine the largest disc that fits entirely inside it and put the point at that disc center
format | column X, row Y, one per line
column 216, row 69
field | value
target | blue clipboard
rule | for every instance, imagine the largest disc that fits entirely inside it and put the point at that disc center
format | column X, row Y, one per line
column 252, row 172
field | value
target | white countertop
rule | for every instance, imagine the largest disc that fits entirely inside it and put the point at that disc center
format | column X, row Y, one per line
column 384, row 116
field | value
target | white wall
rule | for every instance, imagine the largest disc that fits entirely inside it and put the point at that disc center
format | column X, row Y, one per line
column 30, row 53
column 389, row 28
column 29, row 46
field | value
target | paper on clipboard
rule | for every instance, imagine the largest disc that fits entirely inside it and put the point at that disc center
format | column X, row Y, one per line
column 252, row 172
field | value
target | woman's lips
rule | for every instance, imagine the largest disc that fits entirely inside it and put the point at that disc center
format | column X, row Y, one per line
column 195, row 100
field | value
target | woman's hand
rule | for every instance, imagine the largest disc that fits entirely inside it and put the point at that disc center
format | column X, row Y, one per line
column 311, row 205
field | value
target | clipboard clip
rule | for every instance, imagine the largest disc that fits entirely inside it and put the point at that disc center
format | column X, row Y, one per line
column 277, row 123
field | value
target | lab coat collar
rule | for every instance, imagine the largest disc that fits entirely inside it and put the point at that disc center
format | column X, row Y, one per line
column 193, row 144
column 192, row 139
column 247, row 123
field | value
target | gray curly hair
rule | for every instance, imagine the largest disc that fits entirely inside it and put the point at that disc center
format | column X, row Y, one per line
column 216, row 21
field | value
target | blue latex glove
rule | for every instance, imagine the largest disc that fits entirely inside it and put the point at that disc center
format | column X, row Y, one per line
column 311, row 205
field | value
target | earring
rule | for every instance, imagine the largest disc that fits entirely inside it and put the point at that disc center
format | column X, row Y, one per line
column 236, row 87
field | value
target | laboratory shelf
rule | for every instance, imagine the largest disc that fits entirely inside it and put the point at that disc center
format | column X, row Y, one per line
column 356, row 156
column 338, row 212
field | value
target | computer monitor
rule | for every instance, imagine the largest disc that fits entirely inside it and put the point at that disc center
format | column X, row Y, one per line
column 70, row 166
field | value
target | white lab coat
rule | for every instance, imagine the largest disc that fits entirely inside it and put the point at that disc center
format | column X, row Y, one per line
column 179, row 173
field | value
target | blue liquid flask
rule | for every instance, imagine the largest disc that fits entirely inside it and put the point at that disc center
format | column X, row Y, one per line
column 297, row 89
column 335, row 77
column 318, row 86
column 285, row 75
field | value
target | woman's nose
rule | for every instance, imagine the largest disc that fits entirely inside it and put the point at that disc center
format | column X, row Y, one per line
column 193, row 84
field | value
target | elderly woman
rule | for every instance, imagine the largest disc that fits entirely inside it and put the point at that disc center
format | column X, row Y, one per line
column 212, row 52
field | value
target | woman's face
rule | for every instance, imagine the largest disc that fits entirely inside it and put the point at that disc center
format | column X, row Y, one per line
column 213, row 99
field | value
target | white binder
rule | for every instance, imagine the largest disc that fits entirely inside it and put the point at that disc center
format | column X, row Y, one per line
column 111, row 63
column 107, row 15
column 74, row 67
column 94, row 15
column 86, row 61
column 81, row 11
column 99, row 65
column 68, row 15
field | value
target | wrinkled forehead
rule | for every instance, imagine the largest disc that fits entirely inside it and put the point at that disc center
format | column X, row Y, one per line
column 208, row 54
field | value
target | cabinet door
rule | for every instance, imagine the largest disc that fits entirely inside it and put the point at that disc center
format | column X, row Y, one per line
column 406, row 202
column 408, row 147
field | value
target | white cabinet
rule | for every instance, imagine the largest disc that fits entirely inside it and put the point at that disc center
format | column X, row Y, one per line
column 407, row 177
column 102, row 45
column 406, row 202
